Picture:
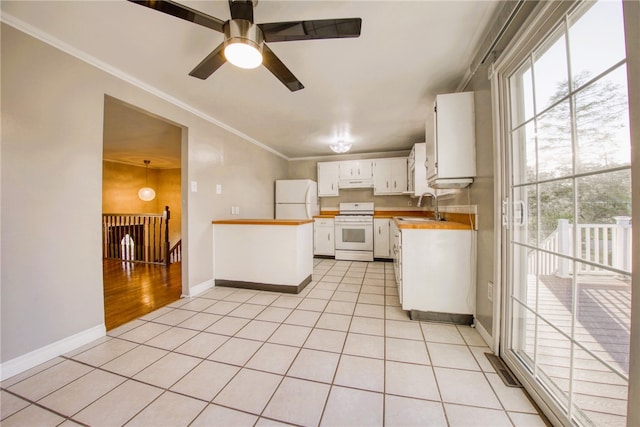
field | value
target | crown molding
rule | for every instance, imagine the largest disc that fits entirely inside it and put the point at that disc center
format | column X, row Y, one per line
column 116, row 72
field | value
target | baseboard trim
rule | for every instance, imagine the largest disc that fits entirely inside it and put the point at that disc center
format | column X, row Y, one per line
column 484, row 334
column 196, row 290
column 36, row 357
column 289, row 289
column 435, row 316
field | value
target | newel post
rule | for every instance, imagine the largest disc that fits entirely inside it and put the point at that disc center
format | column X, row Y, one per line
column 167, row 216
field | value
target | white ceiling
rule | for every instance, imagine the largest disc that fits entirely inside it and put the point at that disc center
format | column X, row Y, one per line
column 374, row 91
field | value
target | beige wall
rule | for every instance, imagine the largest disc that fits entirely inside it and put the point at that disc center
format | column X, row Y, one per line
column 120, row 185
column 632, row 33
column 51, row 194
column 307, row 168
column 481, row 194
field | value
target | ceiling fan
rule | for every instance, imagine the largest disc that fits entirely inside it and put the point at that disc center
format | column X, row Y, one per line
column 244, row 42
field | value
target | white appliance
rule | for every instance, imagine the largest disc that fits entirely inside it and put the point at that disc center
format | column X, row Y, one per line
column 296, row 199
column 354, row 232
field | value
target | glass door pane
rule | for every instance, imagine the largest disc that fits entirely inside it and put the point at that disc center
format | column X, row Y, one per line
column 568, row 236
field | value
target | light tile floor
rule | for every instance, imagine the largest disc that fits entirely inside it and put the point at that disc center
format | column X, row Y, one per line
column 341, row 353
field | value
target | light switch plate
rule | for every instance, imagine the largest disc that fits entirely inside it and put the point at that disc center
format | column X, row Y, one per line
column 194, row 186
column 218, row 188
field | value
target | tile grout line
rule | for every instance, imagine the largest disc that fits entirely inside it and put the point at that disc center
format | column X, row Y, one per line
column 387, row 299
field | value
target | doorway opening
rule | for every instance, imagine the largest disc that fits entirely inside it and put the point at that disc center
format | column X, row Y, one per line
column 142, row 235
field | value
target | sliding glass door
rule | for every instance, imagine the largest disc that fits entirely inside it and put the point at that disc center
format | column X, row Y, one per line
column 568, row 233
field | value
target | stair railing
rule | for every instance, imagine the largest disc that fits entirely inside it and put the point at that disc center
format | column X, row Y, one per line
column 140, row 238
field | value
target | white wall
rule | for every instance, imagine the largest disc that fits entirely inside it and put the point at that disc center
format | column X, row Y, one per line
column 52, row 113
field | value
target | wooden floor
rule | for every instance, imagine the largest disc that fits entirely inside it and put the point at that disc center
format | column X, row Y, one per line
column 132, row 290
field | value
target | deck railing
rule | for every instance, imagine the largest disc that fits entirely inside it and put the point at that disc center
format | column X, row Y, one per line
column 137, row 237
column 601, row 245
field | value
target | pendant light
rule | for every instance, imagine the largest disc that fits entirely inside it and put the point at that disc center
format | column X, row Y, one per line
column 146, row 193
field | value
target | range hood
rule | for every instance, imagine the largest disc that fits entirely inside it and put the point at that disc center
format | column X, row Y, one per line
column 355, row 183
column 450, row 183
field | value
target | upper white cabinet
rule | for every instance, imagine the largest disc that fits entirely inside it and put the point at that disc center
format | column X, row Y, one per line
column 451, row 154
column 328, row 176
column 390, row 176
column 417, row 170
column 355, row 169
column 356, row 174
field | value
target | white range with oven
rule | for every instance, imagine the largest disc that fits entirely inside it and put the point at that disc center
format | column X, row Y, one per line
column 354, row 232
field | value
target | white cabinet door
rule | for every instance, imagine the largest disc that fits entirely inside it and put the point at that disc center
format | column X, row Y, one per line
column 363, row 169
column 398, row 175
column 451, row 154
column 356, row 169
column 381, row 176
column 323, row 237
column 396, row 254
column 328, row 179
column 390, row 176
column 381, row 238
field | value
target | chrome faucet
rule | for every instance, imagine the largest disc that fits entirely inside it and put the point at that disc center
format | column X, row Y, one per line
column 435, row 201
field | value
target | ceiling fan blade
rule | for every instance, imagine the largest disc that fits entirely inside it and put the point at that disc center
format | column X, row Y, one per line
column 278, row 69
column 241, row 9
column 311, row 30
column 211, row 63
column 183, row 12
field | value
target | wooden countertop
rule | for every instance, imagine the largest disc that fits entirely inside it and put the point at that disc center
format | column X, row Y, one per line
column 454, row 221
column 264, row 221
column 430, row 225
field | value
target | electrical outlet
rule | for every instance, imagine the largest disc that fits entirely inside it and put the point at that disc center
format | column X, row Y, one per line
column 409, row 203
column 490, row 291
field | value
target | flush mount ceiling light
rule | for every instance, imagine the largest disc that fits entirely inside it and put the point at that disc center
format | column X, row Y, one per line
column 146, row 193
column 243, row 43
column 340, row 147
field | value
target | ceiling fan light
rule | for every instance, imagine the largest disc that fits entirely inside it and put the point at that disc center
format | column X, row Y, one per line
column 340, row 147
column 242, row 54
column 243, row 43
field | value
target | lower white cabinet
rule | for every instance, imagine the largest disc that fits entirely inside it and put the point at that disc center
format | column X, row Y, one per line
column 381, row 237
column 396, row 254
column 323, row 237
column 434, row 269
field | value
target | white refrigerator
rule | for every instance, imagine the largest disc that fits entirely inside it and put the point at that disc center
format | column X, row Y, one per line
column 296, row 199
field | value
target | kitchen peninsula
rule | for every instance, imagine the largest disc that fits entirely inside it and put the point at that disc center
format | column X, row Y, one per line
column 264, row 254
